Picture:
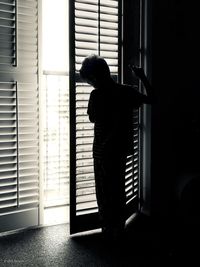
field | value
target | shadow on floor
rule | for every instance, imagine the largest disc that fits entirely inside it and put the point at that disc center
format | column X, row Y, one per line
column 142, row 245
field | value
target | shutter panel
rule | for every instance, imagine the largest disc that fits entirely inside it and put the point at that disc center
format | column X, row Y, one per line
column 132, row 172
column 28, row 144
column 9, row 187
column 8, row 31
column 19, row 121
column 133, row 53
column 95, row 29
column 85, row 186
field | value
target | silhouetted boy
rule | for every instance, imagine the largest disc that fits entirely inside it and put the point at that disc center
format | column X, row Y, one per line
column 110, row 108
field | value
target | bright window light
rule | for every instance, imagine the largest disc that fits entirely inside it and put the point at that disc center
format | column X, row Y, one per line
column 55, row 63
column 55, row 35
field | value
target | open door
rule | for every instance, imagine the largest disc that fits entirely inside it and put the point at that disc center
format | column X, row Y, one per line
column 95, row 28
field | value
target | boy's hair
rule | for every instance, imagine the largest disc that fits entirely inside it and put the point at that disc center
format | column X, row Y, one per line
column 96, row 66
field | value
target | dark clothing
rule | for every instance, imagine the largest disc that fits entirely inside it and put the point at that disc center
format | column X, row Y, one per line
column 109, row 180
column 111, row 111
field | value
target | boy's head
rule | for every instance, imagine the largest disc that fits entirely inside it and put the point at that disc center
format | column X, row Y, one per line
column 95, row 70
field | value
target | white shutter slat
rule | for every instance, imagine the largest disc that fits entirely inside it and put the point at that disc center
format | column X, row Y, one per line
column 7, row 182
column 85, row 177
column 94, row 2
column 8, row 175
column 86, row 155
column 5, row 22
column 6, row 160
column 84, row 133
column 86, row 207
column 9, row 204
column 85, row 184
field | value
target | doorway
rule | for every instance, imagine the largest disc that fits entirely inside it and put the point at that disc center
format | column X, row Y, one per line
column 55, row 111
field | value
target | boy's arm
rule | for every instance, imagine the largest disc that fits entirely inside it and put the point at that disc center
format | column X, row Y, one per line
column 95, row 109
column 90, row 109
column 139, row 72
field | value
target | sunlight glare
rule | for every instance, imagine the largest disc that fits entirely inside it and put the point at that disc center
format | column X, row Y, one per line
column 55, row 35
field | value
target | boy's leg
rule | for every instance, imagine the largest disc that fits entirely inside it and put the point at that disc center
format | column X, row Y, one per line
column 110, row 192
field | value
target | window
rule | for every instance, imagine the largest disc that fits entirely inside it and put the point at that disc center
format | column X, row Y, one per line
column 55, row 109
column 95, row 27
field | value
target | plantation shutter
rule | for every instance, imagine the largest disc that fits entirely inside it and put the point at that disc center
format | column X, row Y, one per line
column 8, row 29
column 132, row 173
column 19, row 115
column 133, row 53
column 95, row 28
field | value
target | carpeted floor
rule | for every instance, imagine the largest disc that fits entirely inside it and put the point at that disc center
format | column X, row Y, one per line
column 142, row 246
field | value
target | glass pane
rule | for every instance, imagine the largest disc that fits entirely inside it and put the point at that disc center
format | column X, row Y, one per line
column 55, row 35
column 56, row 140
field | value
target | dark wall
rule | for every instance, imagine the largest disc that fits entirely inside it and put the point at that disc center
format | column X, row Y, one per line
column 176, row 113
column 131, row 39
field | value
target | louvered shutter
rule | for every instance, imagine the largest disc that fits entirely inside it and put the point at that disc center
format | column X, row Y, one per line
column 132, row 173
column 95, row 29
column 19, row 115
column 133, row 53
column 8, row 29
